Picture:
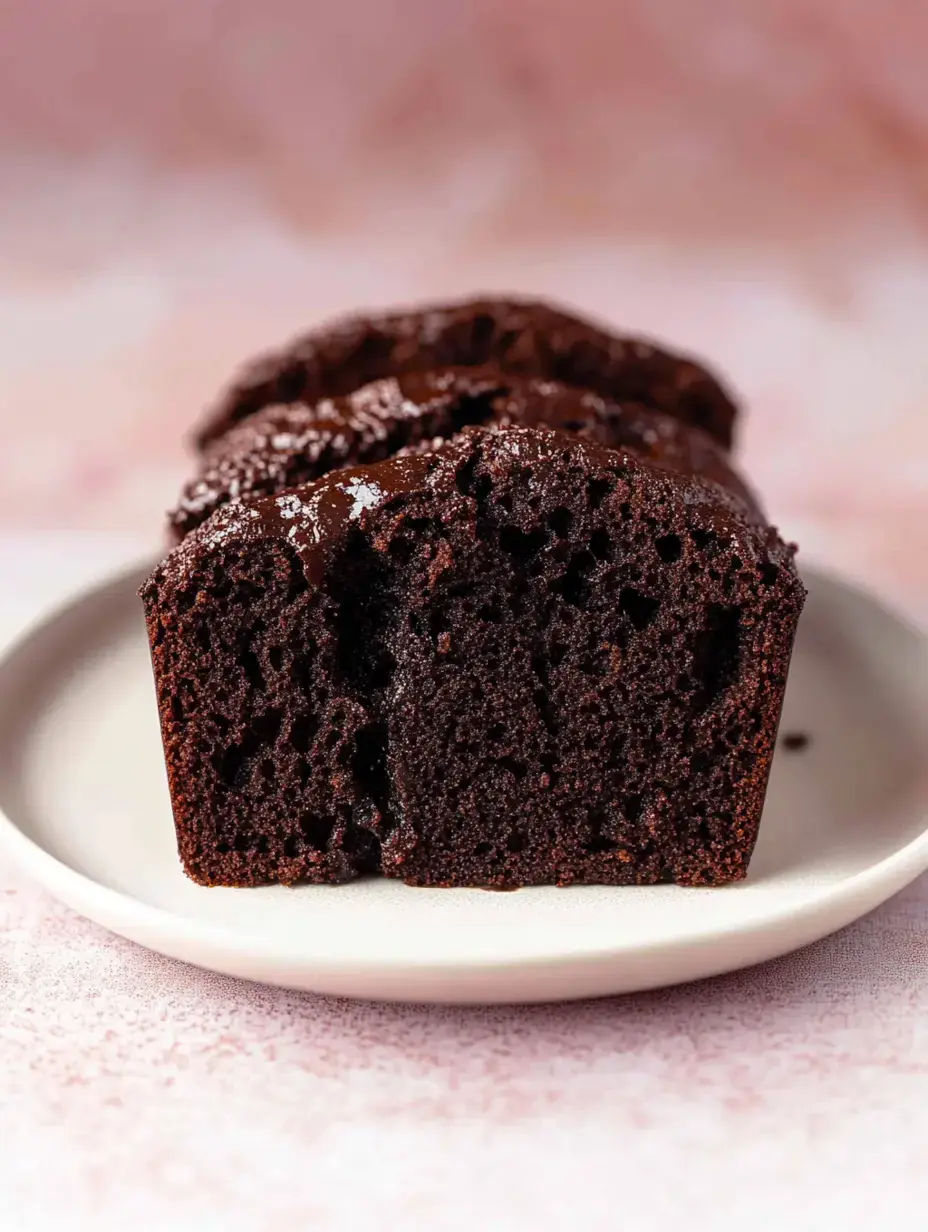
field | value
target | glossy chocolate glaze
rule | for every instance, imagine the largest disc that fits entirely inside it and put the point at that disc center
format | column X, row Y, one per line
column 316, row 518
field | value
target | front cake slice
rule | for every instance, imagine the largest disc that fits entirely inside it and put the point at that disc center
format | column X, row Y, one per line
column 522, row 659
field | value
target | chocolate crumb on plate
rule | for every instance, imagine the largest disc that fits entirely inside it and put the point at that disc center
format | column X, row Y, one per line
column 795, row 742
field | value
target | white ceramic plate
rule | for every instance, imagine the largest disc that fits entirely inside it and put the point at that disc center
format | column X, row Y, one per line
column 83, row 790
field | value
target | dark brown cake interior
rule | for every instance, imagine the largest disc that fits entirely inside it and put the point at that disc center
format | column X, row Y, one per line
column 523, row 659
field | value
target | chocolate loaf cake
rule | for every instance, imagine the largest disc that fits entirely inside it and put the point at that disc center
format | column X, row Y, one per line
column 522, row 658
column 515, row 337
column 283, row 446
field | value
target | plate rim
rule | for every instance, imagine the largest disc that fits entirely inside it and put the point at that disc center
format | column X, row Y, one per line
column 164, row 930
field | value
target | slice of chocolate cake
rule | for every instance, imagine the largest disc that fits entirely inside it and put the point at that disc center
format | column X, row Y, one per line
column 283, row 446
column 516, row 337
column 522, row 659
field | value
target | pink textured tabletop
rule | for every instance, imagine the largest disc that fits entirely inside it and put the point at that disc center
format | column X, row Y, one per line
column 781, row 232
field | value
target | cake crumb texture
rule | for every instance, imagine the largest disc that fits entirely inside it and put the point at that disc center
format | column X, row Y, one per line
column 522, row 658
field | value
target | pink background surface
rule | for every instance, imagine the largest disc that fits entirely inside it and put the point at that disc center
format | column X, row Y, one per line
column 184, row 183
column 187, row 183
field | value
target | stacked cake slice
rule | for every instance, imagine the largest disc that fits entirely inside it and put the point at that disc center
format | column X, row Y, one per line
column 470, row 596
